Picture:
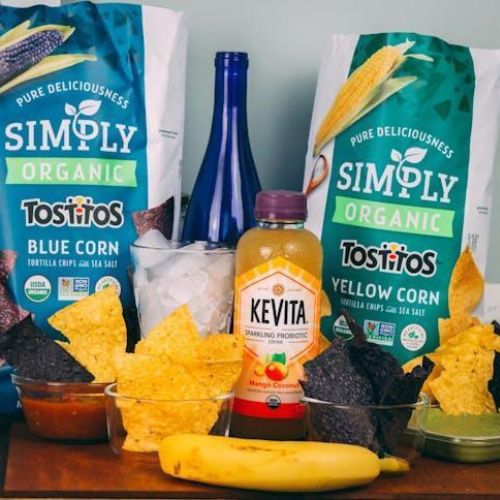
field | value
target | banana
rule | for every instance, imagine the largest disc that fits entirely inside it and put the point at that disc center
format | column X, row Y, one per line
column 285, row 466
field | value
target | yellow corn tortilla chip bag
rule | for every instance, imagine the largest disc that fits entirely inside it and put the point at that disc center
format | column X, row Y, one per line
column 176, row 336
column 95, row 329
column 466, row 285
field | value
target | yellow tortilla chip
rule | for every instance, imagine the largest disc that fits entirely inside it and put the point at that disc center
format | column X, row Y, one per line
column 217, row 377
column 466, row 285
column 216, row 362
column 465, row 366
column 409, row 365
column 171, row 365
column 482, row 336
column 171, row 401
column 147, row 424
column 97, row 361
column 95, row 329
column 220, row 347
column 156, row 377
column 450, row 327
column 176, row 336
column 471, row 376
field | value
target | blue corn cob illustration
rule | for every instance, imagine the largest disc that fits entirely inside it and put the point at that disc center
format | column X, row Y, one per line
column 24, row 54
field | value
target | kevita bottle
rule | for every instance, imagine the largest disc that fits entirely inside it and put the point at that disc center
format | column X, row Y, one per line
column 277, row 309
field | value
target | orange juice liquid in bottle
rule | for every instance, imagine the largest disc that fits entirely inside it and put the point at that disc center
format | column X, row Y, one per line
column 277, row 309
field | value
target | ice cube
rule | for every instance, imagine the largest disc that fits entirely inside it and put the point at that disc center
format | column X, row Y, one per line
column 168, row 302
column 220, row 289
column 222, row 266
column 184, row 287
column 140, row 277
column 152, row 239
column 220, row 320
column 150, row 249
column 179, row 265
column 203, row 318
column 149, row 308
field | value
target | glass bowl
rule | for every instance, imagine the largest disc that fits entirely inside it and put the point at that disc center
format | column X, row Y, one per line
column 139, row 425
column 460, row 438
column 63, row 411
column 168, row 274
column 386, row 430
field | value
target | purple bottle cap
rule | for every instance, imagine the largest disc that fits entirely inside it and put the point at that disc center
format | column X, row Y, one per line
column 281, row 205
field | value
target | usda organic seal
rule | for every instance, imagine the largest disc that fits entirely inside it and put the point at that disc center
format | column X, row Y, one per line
column 37, row 288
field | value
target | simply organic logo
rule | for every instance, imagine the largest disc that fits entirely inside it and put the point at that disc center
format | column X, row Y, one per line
column 76, row 211
column 78, row 131
column 389, row 257
column 399, row 178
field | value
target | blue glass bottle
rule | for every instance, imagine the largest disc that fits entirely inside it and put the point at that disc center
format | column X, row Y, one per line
column 222, row 203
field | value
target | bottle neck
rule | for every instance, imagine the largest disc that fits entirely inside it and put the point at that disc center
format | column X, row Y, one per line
column 280, row 224
column 230, row 102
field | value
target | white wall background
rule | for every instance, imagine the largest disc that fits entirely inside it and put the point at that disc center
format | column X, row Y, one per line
column 284, row 39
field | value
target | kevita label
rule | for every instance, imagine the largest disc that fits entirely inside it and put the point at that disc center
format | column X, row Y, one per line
column 277, row 309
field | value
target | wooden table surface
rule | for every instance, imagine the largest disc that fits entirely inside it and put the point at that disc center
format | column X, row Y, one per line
column 40, row 468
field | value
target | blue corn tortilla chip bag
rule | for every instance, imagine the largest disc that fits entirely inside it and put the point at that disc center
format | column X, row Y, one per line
column 92, row 101
column 10, row 312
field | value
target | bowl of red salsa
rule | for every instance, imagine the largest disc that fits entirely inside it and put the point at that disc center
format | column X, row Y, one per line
column 63, row 411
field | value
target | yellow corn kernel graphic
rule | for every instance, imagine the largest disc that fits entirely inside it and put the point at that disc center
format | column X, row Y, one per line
column 366, row 82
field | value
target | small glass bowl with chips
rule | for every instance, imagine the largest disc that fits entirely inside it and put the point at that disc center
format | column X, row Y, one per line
column 63, row 411
column 386, row 429
column 139, row 425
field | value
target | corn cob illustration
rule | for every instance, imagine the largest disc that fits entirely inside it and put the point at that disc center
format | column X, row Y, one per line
column 368, row 86
column 25, row 53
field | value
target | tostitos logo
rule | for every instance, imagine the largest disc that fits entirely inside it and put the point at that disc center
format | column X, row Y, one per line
column 390, row 257
column 76, row 211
